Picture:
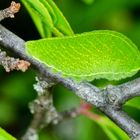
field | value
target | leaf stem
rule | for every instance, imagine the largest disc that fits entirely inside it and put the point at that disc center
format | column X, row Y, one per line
column 57, row 32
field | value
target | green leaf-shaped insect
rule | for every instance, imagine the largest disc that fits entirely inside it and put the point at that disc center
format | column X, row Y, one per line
column 88, row 56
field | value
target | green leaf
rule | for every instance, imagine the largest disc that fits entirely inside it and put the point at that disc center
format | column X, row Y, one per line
column 97, row 54
column 135, row 102
column 82, row 124
column 60, row 21
column 42, row 29
column 47, row 18
column 111, row 129
column 88, row 1
column 5, row 136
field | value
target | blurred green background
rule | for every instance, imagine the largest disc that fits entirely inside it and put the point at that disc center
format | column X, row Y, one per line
column 16, row 88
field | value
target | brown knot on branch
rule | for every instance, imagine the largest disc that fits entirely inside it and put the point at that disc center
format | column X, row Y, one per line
column 10, row 11
column 10, row 63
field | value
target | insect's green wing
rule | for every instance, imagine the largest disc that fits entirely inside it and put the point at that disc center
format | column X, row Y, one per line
column 97, row 54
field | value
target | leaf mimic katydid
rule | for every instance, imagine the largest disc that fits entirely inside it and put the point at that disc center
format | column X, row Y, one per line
column 88, row 56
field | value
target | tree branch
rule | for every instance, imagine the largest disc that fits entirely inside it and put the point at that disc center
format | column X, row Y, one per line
column 108, row 100
column 128, row 91
column 131, row 127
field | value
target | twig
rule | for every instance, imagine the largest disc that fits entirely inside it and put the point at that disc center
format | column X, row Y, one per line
column 10, row 11
column 10, row 63
column 83, row 109
column 102, row 99
column 42, row 109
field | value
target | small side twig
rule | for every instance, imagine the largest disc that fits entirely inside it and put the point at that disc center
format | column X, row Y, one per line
column 10, row 11
column 42, row 109
column 83, row 109
column 11, row 63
